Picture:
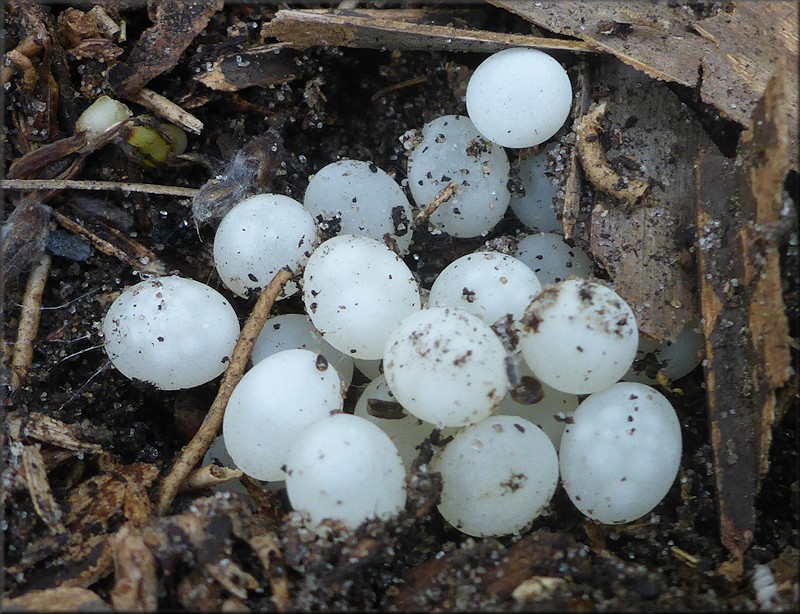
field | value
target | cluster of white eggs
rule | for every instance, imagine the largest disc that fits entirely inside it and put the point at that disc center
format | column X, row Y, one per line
column 495, row 355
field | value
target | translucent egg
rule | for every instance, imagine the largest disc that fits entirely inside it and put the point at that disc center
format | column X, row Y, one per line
column 347, row 469
column 548, row 411
column 674, row 360
column 489, row 285
column 580, row 336
column 620, row 455
column 274, row 402
column 356, row 290
column 446, row 366
column 535, row 207
column 170, row 331
column 295, row 331
column 519, row 97
column 378, row 405
column 363, row 198
column 552, row 259
column 452, row 152
column 260, row 236
column 497, row 476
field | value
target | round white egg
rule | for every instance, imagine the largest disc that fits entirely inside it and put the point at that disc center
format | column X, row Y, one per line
column 489, row 285
column 673, row 359
column 378, row 405
column 534, row 208
column 356, row 290
column 452, row 152
column 446, row 366
column 552, row 259
column 363, row 198
column 347, row 469
column 295, row 331
column 497, row 476
column 579, row 336
column 621, row 453
column 170, row 331
column 272, row 404
column 519, row 97
column 549, row 412
column 260, row 236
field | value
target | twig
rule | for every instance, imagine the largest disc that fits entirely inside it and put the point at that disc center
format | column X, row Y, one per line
column 208, row 476
column 441, row 197
column 595, row 164
column 146, row 261
column 167, row 109
column 198, row 446
column 29, row 321
column 77, row 184
column 398, row 86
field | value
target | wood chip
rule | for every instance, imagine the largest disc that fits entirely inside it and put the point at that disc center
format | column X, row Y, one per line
column 209, row 476
column 39, row 427
column 377, row 29
column 57, row 600
column 257, row 66
column 135, row 573
column 744, row 319
column 39, row 488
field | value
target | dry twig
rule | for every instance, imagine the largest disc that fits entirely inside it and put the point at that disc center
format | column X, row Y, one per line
column 441, row 197
column 79, row 184
column 198, row 446
column 163, row 107
column 29, row 321
column 208, row 476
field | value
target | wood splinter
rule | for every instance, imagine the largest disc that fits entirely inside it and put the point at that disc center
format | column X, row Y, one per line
column 441, row 197
column 595, row 164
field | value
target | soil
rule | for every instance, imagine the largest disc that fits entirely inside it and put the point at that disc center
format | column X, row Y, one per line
column 671, row 559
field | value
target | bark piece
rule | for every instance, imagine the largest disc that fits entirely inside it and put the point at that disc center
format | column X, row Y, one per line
column 744, row 319
column 135, row 579
column 39, row 489
column 159, row 48
column 57, row 600
column 257, row 66
column 378, row 29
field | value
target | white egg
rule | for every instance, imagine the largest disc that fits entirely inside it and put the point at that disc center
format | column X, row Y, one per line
column 446, row 366
column 620, row 455
column 295, row 331
column 258, row 237
column 363, row 198
column 170, row 331
column 519, row 97
column 535, row 207
column 452, row 152
column 497, row 476
column 552, row 259
column 674, row 359
column 356, row 290
column 274, row 402
column 549, row 412
column 378, row 405
column 489, row 285
column 345, row 468
column 580, row 336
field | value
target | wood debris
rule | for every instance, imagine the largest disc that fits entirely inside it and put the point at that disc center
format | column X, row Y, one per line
column 72, row 599
column 739, row 232
column 387, row 29
column 261, row 66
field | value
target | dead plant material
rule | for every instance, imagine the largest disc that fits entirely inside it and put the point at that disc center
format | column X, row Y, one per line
column 442, row 197
column 572, row 185
column 18, row 59
column 744, row 319
column 135, row 573
column 388, row 29
column 159, row 47
column 198, row 446
column 29, row 322
column 163, row 107
column 24, row 236
column 41, row 428
column 594, row 163
column 24, row 185
column 259, row 66
column 731, row 61
column 72, row 599
column 39, row 488
column 209, row 476
column 399, row 86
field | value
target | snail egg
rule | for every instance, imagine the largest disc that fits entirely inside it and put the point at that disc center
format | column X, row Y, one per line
column 295, row 331
column 446, row 367
column 519, row 97
column 674, row 359
column 535, row 208
column 258, row 237
column 488, row 285
column 170, row 331
column 452, row 152
column 345, row 468
column 363, row 198
column 272, row 404
column 579, row 337
column 497, row 476
column 356, row 290
column 620, row 455
column 552, row 259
